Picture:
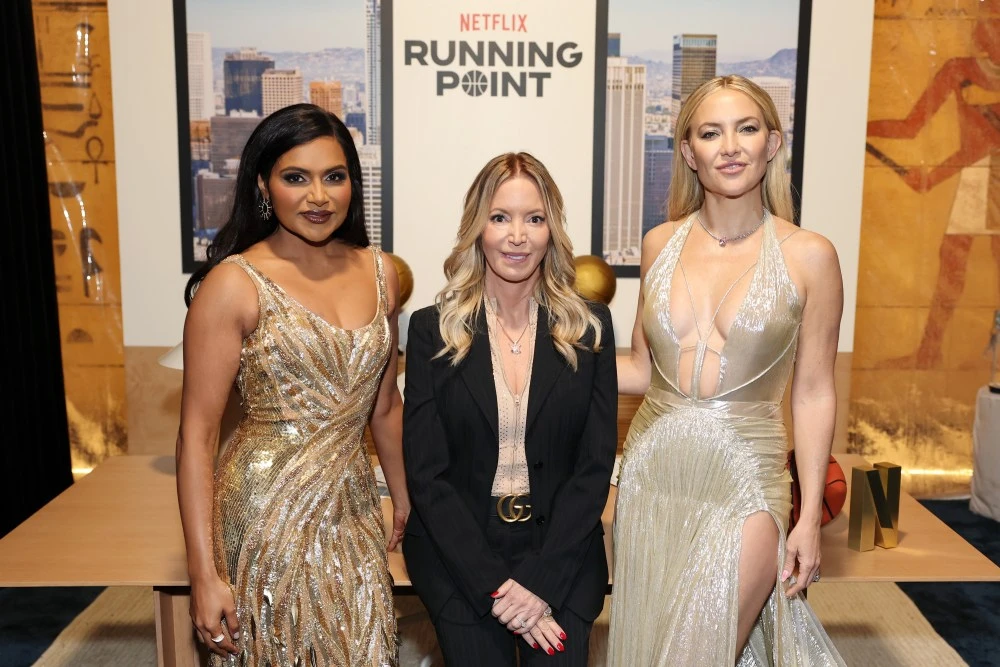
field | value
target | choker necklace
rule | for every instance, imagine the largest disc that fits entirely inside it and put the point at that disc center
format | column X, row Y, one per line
column 723, row 240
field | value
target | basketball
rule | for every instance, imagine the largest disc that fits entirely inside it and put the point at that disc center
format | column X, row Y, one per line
column 595, row 279
column 834, row 493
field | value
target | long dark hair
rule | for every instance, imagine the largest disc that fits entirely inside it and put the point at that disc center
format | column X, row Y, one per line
column 277, row 134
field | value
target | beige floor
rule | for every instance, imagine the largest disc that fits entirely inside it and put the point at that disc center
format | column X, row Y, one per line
column 871, row 624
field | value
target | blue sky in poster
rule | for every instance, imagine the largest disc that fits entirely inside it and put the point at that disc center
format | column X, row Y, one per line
column 305, row 25
column 747, row 29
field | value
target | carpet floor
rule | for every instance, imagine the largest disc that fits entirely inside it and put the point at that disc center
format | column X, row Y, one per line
column 967, row 616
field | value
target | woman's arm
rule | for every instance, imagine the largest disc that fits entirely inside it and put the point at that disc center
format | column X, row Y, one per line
column 386, row 422
column 634, row 368
column 223, row 311
column 476, row 570
column 814, row 398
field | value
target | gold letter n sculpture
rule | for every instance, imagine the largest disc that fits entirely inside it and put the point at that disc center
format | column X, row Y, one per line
column 874, row 507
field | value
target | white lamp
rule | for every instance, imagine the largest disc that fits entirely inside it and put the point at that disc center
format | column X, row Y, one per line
column 173, row 358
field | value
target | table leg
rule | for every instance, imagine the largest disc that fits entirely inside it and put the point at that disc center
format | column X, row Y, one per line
column 176, row 645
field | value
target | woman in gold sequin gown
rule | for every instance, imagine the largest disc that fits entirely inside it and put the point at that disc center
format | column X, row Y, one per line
column 285, row 543
column 735, row 300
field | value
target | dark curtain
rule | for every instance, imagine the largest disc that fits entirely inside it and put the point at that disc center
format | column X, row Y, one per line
column 34, row 439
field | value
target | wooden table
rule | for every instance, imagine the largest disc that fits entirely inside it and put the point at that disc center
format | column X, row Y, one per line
column 119, row 526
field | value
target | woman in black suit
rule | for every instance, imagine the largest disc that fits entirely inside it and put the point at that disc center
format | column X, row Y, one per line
column 509, row 431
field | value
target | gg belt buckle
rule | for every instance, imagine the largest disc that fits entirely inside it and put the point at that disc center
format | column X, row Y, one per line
column 512, row 507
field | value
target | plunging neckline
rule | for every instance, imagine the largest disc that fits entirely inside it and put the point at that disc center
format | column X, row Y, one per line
column 671, row 331
column 755, row 268
column 312, row 313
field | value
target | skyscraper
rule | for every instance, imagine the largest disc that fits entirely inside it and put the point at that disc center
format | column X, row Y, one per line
column 229, row 134
column 371, row 176
column 242, row 71
column 373, row 70
column 623, row 161
column 280, row 88
column 215, row 199
column 201, row 97
column 658, row 160
column 694, row 64
column 357, row 119
column 327, row 95
column 614, row 45
column 201, row 143
column 780, row 91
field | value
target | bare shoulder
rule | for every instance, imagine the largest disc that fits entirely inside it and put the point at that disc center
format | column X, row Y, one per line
column 658, row 236
column 805, row 247
column 656, row 239
column 227, row 292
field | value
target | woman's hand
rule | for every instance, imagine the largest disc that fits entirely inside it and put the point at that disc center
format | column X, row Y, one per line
column 526, row 614
column 400, row 514
column 802, row 547
column 211, row 602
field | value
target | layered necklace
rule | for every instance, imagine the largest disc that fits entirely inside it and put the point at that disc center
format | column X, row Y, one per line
column 724, row 240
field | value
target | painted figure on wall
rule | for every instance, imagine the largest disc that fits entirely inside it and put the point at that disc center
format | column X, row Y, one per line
column 974, row 81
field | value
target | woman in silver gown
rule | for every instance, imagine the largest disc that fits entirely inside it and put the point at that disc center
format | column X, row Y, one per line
column 735, row 300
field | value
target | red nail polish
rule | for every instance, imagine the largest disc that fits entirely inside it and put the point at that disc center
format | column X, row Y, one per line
column 560, row 647
column 535, row 646
column 494, row 594
column 562, row 636
column 550, row 651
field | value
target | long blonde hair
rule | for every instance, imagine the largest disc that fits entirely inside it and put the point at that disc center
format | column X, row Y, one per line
column 461, row 300
column 686, row 191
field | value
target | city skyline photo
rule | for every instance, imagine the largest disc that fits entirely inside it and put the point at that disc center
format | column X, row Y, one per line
column 658, row 53
column 239, row 61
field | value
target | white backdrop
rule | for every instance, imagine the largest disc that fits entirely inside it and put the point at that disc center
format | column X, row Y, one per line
column 440, row 142
column 145, row 103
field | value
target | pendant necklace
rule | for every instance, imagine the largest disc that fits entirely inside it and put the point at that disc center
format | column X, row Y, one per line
column 723, row 240
column 515, row 345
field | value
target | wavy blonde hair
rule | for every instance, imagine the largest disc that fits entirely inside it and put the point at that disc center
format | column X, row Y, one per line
column 686, row 192
column 461, row 300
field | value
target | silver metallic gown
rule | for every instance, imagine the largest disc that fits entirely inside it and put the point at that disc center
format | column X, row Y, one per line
column 694, row 468
column 297, row 517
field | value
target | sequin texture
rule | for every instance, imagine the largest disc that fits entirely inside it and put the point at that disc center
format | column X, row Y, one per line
column 297, row 517
column 694, row 469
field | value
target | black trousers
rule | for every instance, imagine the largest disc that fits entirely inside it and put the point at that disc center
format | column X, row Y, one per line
column 466, row 638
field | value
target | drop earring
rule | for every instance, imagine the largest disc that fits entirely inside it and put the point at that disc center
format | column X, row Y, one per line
column 265, row 209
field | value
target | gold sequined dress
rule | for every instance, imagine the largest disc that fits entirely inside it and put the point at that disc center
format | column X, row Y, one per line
column 694, row 468
column 297, row 518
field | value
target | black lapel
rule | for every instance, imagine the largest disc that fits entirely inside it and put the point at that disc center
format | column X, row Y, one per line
column 477, row 373
column 546, row 368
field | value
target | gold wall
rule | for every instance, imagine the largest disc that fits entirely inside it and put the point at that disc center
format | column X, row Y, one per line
column 74, row 63
column 929, row 265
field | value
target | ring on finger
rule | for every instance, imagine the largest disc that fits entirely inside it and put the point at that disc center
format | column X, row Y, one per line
column 815, row 577
column 547, row 612
column 219, row 639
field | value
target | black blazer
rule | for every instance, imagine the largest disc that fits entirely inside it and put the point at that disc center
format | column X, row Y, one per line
column 450, row 448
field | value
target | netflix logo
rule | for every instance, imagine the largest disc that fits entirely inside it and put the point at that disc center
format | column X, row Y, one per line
column 493, row 22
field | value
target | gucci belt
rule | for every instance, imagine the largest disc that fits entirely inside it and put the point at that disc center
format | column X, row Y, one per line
column 514, row 507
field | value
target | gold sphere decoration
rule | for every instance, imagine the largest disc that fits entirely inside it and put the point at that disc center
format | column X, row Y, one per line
column 595, row 279
column 405, row 278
